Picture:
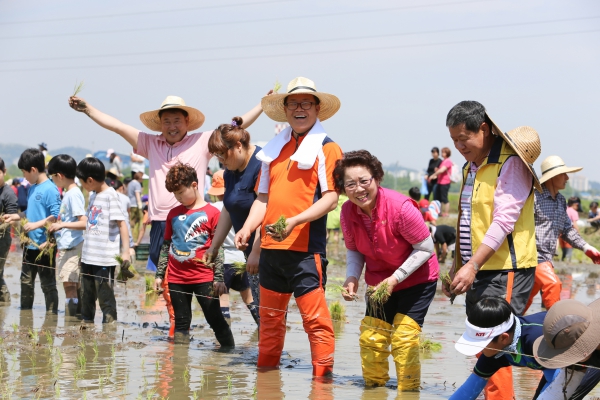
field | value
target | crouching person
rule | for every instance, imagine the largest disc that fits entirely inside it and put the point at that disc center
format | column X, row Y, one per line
column 189, row 231
column 105, row 236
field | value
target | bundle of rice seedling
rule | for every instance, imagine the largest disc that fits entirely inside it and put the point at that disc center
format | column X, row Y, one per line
column 429, row 345
column 277, row 86
column 50, row 246
column 78, row 88
column 239, row 267
column 23, row 237
column 149, row 284
column 377, row 296
column 340, row 289
column 120, row 276
column 337, row 311
column 4, row 225
column 280, row 225
column 446, row 282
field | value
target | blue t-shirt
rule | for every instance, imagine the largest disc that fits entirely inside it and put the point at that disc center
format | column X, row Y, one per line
column 240, row 195
column 532, row 327
column 43, row 200
column 72, row 207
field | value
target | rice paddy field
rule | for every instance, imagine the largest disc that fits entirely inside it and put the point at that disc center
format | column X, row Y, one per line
column 56, row 357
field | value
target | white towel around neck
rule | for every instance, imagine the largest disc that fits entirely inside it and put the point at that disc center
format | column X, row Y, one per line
column 307, row 152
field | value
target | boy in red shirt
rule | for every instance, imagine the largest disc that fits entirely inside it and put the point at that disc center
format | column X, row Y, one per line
column 189, row 232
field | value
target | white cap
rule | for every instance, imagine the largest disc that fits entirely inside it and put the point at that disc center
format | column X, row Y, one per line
column 109, row 152
column 475, row 339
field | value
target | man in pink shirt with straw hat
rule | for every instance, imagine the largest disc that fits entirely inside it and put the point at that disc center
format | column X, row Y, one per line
column 173, row 119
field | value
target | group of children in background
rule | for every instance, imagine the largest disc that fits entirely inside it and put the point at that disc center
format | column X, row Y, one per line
column 92, row 241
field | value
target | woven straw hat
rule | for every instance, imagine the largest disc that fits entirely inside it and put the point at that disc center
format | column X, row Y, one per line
column 571, row 334
column 273, row 106
column 554, row 165
column 525, row 141
column 152, row 120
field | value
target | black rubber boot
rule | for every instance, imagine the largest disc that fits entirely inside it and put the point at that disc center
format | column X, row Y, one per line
column 4, row 295
column 181, row 338
column 26, row 296
column 71, row 309
column 51, row 297
column 106, row 300
column 254, row 311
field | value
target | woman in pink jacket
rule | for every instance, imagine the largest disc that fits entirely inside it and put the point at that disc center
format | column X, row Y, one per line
column 385, row 230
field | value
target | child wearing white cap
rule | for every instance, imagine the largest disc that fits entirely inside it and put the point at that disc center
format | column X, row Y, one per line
column 502, row 338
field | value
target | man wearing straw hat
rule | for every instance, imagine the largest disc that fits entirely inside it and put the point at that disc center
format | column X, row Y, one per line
column 296, row 182
column 495, row 250
column 552, row 222
column 173, row 119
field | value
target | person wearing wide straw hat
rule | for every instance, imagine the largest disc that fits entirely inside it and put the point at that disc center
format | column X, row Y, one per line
column 174, row 119
column 296, row 182
column 495, row 254
column 552, row 222
column 571, row 342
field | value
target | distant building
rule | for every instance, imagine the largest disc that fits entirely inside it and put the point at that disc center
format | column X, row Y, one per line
column 579, row 183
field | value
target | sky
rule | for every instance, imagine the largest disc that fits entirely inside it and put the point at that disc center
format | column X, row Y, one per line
column 397, row 67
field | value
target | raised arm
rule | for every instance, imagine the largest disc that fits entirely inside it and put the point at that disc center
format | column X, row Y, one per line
column 127, row 132
column 251, row 116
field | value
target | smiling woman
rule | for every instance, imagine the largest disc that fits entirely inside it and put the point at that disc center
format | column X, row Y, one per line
column 385, row 230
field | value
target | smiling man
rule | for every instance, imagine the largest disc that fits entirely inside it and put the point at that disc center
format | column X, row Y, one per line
column 174, row 119
column 495, row 252
column 296, row 182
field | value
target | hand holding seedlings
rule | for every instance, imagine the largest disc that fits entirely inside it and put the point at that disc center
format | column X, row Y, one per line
column 350, row 288
column 446, row 283
column 279, row 230
column 158, row 285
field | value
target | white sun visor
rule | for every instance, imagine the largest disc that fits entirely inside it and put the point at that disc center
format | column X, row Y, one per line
column 475, row 339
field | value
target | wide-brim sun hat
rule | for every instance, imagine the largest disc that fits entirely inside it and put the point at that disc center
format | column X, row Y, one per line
column 217, row 187
column 475, row 339
column 273, row 106
column 571, row 334
column 525, row 141
column 152, row 120
column 553, row 166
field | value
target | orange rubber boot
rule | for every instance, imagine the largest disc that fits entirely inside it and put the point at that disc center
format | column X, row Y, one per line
column 546, row 281
column 317, row 323
column 273, row 307
column 500, row 385
column 167, row 297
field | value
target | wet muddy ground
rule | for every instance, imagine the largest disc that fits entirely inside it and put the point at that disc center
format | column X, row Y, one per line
column 50, row 357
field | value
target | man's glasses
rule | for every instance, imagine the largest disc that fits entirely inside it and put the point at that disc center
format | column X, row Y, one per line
column 363, row 183
column 306, row 105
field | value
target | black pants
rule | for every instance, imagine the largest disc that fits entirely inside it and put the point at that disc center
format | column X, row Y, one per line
column 45, row 268
column 95, row 285
column 157, row 236
column 287, row 271
column 5, row 241
column 430, row 189
column 413, row 302
column 181, row 298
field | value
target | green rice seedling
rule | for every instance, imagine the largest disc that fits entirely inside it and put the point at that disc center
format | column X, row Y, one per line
column 143, row 362
column 156, row 366
column 229, row 383
column 426, row 345
column 33, row 360
column 277, row 86
column 239, row 267
column 81, row 344
column 150, row 394
column 49, row 338
column 101, row 383
column 280, row 225
column 112, row 351
column 15, row 327
column 33, row 334
column 3, row 226
column 84, row 395
column 340, row 289
column 149, row 284
column 446, row 282
column 377, row 296
column 81, row 360
column 95, row 348
column 56, row 389
column 195, row 395
column 337, row 311
column 78, row 88
column 186, row 374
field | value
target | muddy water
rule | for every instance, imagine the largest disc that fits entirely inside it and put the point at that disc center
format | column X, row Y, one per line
column 50, row 357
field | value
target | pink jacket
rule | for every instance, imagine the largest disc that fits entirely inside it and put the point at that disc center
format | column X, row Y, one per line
column 394, row 233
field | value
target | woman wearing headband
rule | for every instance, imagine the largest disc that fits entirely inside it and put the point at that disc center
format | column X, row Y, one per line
column 503, row 339
column 385, row 230
column 230, row 143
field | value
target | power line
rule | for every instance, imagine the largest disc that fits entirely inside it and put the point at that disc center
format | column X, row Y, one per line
column 37, row 21
column 302, row 42
column 242, row 21
column 324, row 52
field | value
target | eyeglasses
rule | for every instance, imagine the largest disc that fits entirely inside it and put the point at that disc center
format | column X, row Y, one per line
column 306, row 105
column 363, row 183
column 220, row 156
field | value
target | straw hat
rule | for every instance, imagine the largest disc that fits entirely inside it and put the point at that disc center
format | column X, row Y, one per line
column 217, row 187
column 272, row 104
column 152, row 121
column 571, row 334
column 525, row 141
column 554, row 165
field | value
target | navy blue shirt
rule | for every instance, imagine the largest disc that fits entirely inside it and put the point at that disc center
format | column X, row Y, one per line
column 240, row 194
column 531, row 329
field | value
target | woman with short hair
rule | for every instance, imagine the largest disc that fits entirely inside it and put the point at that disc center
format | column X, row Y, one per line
column 385, row 230
column 442, row 174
